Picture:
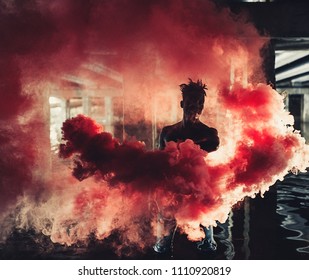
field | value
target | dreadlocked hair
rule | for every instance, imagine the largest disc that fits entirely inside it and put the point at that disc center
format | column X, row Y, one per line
column 193, row 87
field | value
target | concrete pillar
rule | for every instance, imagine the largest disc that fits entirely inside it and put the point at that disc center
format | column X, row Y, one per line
column 86, row 105
column 109, row 114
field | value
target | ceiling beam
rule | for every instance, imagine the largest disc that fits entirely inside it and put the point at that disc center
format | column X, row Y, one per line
column 297, row 63
column 286, row 57
column 290, row 78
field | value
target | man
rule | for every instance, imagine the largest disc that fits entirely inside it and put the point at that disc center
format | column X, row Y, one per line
column 190, row 127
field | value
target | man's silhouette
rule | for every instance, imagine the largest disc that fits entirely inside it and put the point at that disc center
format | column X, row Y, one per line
column 190, row 127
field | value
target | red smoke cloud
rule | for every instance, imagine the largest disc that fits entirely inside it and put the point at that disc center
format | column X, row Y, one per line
column 155, row 45
column 179, row 177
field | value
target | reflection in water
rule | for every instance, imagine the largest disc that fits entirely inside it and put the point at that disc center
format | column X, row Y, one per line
column 234, row 234
column 225, row 237
column 293, row 205
column 246, row 231
column 241, row 238
column 293, row 202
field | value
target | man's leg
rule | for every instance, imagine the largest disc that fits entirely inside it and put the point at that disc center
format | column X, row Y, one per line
column 208, row 244
column 165, row 232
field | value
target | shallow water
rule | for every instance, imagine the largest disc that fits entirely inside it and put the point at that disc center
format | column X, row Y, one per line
column 293, row 207
column 258, row 231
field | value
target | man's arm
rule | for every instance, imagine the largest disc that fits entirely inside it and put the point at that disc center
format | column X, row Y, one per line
column 211, row 143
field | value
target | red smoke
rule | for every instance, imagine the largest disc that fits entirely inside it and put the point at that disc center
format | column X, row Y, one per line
column 155, row 46
column 179, row 176
column 178, row 170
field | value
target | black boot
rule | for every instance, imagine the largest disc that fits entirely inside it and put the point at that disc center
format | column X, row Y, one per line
column 163, row 244
column 208, row 244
